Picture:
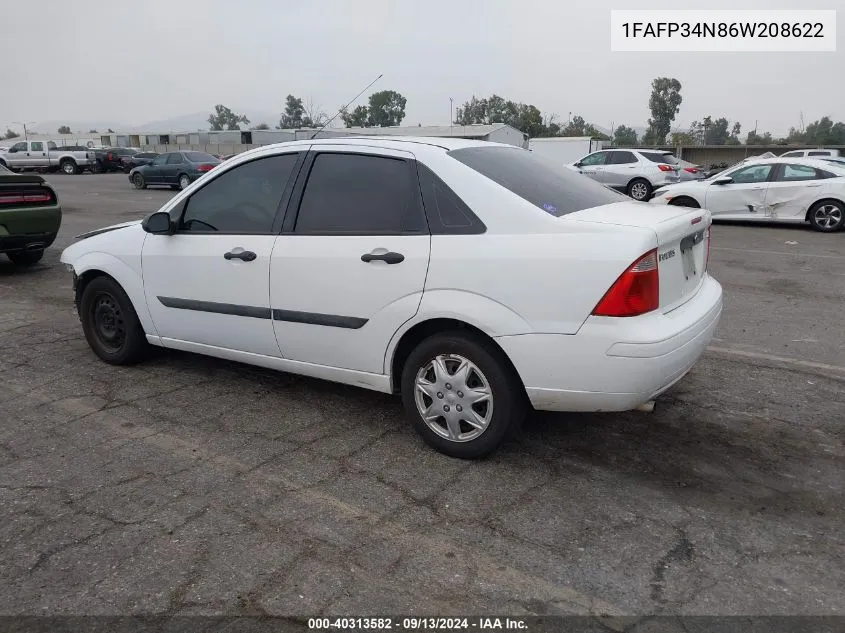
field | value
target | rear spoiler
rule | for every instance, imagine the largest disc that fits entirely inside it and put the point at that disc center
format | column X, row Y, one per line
column 13, row 179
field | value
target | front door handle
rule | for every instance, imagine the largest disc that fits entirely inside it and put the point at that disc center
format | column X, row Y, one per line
column 389, row 257
column 246, row 256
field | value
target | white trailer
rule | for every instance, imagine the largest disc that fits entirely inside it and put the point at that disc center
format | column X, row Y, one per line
column 565, row 150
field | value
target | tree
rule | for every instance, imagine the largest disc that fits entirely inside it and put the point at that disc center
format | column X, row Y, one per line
column 386, row 108
column 359, row 117
column 577, row 126
column 664, row 103
column 64, row 129
column 292, row 116
column 224, row 119
column 715, row 132
column 110, row 131
column 261, row 126
column 10, row 134
column 682, row 139
column 314, row 115
column 823, row 132
column 523, row 116
column 625, row 136
column 472, row 112
column 93, row 132
column 759, row 139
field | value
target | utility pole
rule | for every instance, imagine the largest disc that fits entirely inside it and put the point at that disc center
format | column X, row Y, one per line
column 25, row 133
column 451, row 115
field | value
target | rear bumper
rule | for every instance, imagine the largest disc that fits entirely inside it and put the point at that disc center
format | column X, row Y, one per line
column 28, row 241
column 615, row 364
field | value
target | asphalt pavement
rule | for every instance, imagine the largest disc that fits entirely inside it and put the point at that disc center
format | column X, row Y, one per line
column 190, row 485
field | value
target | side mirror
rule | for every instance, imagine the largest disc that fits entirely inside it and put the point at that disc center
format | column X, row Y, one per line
column 724, row 180
column 159, row 223
column 578, row 164
column 12, row 150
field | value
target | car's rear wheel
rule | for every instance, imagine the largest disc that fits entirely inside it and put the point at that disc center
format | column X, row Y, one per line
column 639, row 189
column 461, row 394
column 184, row 181
column 139, row 182
column 827, row 216
column 110, row 323
column 26, row 258
column 69, row 166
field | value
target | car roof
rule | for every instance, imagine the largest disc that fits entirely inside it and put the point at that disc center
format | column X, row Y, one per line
column 393, row 142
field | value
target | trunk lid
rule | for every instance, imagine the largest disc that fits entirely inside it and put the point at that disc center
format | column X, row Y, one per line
column 682, row 242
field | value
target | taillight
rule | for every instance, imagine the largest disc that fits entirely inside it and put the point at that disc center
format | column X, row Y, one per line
column 636, row 292
column 25, row 198
column 204, row 168
column 691, row 170
column 662, row 167
column 109, row 156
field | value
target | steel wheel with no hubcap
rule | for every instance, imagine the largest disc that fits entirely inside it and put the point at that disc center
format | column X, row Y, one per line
column 454, row 398
column 828, row 216
column 108, row 321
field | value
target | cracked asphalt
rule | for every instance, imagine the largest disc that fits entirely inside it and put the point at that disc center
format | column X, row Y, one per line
column 190, row 485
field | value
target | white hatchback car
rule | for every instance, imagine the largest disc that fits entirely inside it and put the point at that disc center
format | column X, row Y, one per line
column 472, row 277
column 772, row 190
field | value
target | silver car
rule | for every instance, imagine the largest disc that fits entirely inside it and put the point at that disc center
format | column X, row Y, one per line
column 637, row 172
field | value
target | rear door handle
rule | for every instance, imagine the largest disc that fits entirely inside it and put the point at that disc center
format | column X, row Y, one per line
column 246, row 256
column 389, row 258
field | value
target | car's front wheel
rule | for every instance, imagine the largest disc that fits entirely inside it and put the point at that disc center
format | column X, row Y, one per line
column 138, row 181
column 827, row 216
column 461, row 394
column 110, row 323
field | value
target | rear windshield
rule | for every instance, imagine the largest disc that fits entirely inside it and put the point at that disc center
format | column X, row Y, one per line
column 660, row 157
column 201, row 157
column 557, row 190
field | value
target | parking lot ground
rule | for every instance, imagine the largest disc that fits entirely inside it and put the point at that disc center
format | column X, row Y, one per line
column 190, row 485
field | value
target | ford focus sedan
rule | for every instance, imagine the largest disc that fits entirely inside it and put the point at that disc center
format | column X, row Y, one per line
column 474, row 279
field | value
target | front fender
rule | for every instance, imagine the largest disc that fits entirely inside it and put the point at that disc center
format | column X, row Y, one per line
column 129, row 279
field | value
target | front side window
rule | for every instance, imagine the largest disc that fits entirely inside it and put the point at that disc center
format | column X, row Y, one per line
column 751, row 174
column 557, row 191
column 243, row 200
column 359, row 194
column 19, row 147
column 598, row 158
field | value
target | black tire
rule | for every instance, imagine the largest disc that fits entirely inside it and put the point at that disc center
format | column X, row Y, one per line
column 26, row 258
column 827, row 216
column 110, row 323
column 97, row 168
column 505, row 387
column 684, row 201
column 69, row 166
column 138, row 181
column 639, row 189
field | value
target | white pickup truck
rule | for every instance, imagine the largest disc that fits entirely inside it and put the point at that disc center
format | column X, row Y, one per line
column 45, row 155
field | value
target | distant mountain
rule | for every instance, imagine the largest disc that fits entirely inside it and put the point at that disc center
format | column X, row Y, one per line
column 77, row 127
column 199, row 121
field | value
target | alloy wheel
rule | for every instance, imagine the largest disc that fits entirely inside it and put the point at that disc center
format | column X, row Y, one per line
column 828, row 216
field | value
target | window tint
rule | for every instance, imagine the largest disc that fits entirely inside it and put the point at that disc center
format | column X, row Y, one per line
column 556, row 190
column 447, row 214
column 201, row 157
column 37, row 147
column 242, row 200
column 661, row 157
column 751, row 174
column 598, row 158
column 146, row 155
column 359, row 194
column 818, row 153
column 160, row 160
column 175, row 159
column 622, row 158
column 800, row 172
column 20, row 147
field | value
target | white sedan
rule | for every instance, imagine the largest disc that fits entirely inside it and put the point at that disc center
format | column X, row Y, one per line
column 772, row 190
column 473, row 278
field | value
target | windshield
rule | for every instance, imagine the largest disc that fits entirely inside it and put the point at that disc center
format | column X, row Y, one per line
column 201, row 157
column 556, row 190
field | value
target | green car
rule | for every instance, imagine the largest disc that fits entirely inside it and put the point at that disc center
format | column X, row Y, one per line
column 30, row 216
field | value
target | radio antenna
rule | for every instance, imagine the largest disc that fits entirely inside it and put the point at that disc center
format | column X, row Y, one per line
column 343, row 109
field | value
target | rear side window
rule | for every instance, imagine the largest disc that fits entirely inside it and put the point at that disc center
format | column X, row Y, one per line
column 818, row 153
column 447, row 214
column 802, row 172
column 556, row 190
column 175, row 159
column 360, row 194
column 201, row 157
column 660, row 157
column 621, row 158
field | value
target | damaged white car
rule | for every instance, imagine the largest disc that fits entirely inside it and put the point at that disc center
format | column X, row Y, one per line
column 772, row 190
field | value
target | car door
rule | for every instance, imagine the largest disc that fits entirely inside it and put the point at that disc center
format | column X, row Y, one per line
column 350, row 266
column 208, row 284
column 743, row 197
column 793, row 189
column 593, row 165
column 153, row 174
column 18, row 155
column 38, row 155
column 620, row 168
column 170, row 171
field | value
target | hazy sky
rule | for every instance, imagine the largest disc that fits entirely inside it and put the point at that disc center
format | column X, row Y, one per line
column 146, row 60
